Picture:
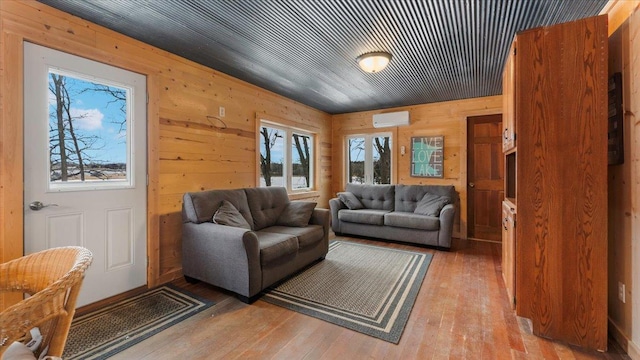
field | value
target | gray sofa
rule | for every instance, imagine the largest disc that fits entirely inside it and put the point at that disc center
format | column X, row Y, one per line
column 389, row 212
column 280, row 237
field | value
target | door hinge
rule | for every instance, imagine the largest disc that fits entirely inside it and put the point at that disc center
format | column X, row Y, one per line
column 515, row 51
column 147, row 179
column 147, row 98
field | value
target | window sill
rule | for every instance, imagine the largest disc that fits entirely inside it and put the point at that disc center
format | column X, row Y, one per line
column 304, row 195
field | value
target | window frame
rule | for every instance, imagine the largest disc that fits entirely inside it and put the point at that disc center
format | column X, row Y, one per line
column 129, row 182
column 368, row 157
column 287, row 170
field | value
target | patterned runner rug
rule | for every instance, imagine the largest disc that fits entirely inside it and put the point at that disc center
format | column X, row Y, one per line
column 365, row 288
column 106, row 332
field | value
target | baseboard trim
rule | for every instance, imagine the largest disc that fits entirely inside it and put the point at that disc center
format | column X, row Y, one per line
column 625, row 343
column 484, row 240
column 633, row 351
column 618, row 335
column 169, row 276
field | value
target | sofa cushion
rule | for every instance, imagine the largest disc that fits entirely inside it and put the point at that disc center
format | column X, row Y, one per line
column 199, row 207
column 296, row 214
column 309, row 235
column 431, row 204
column 379, row 197
column 350, row 200
column 274, row 246
column 363, row 216
column 411, row 221
column 407, row 197
column 266, row 205
column 228, row 215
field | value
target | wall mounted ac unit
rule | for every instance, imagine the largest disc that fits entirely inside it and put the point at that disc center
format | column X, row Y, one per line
column 399, row 118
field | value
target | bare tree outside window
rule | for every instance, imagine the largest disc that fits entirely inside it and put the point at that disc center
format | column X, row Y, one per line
column 118, row 99
column 356, row 160
column 70, row 156
column 300, row 163
column 381, row 160
column 270, row 137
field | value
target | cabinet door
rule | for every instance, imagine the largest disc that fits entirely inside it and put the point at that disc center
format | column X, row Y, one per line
column 508, row 250
column 561, row 263
column 508, row 101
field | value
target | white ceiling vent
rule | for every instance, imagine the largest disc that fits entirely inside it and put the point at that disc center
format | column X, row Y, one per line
column 399, row 118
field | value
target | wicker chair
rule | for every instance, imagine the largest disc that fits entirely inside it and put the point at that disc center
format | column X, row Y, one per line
column 52, row 278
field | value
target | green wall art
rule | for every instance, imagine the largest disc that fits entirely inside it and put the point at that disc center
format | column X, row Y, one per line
column 427, row 156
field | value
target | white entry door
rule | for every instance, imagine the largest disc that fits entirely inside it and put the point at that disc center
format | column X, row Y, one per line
column 85, row 166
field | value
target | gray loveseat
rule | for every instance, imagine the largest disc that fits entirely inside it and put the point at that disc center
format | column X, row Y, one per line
column 279, row 237
column 389, row 212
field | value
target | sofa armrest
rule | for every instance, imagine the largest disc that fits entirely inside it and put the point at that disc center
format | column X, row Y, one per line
column 335, row 205
column 321, row 217
column 447, row 218
column 223, row 256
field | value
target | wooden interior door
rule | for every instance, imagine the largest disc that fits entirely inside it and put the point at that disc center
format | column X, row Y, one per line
column 485, row 186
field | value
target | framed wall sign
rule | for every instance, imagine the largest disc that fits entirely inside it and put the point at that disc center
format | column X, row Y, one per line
column 427, row 156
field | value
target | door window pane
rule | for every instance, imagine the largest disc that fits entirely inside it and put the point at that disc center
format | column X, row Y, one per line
column 272, row 156
column 88, row 124
column 355, row 171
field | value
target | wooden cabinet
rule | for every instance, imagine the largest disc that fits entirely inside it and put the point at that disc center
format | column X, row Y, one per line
column 508, row 249
column 559, row 93
column 508, row 101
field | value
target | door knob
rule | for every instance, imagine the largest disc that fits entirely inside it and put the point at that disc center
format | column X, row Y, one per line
column 38, row 205
column 472, row 184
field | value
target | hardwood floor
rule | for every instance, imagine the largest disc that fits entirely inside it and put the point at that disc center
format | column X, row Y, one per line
column 461, row 313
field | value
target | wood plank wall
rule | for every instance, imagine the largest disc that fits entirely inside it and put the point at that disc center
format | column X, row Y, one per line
column 186, row 151
column 623, row 188
column 445, row 118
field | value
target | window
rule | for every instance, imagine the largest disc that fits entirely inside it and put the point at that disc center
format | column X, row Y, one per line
column 369, row 159
column 286, row 157
column 89, row 145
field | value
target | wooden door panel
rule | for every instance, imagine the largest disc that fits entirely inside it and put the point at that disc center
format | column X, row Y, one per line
column 561, row 112
column 488, row 221
column 485, row 177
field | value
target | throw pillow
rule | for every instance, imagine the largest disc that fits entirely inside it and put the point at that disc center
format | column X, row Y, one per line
column 227, row 214
column 296, row 214
column 431, row 204
column 349, row 199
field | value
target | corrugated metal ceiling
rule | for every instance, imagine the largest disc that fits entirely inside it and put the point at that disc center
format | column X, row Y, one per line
column 306, row 50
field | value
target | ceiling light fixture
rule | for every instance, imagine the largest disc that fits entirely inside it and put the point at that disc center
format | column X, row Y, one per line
column 374, row 62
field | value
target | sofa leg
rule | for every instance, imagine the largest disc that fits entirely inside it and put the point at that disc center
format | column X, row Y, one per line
column 248, row 300
column 191, row 280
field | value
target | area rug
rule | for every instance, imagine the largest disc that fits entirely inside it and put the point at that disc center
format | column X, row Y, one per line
column 110, row 330
column 365, row 288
